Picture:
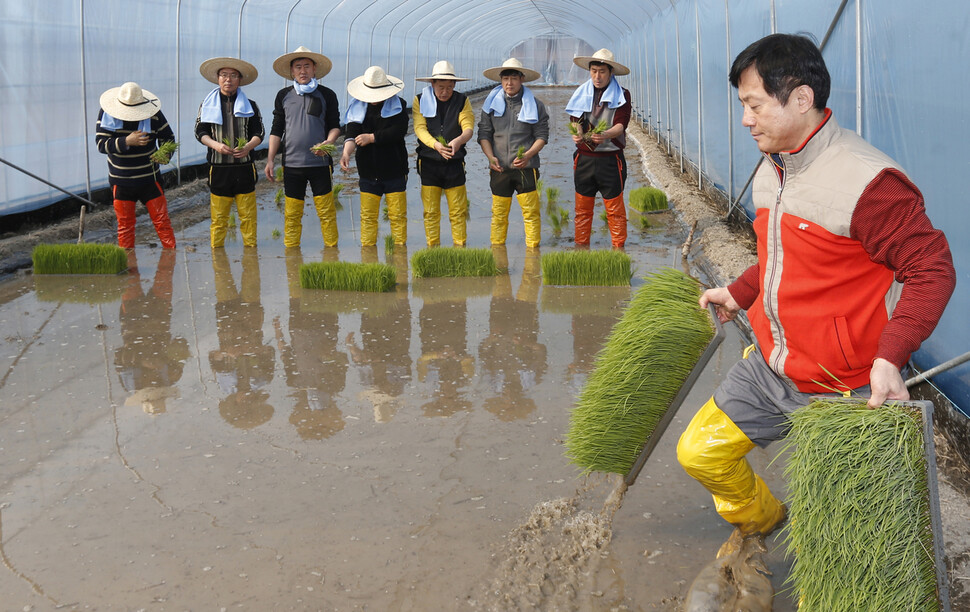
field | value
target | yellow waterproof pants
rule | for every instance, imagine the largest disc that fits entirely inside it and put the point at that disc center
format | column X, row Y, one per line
column 500, row 219
column 370, row 208
column 458, row 214
column 328, row 218
column 246, row 206
column 219, row 207
column 431, row 201
column 397, row 212
column 531, row 217
column 712, row 450
column 292, row 222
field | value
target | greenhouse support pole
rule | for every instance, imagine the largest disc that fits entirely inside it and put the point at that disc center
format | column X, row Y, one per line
column 680, row 89
column 667, row 89
column 858, row 67
column 700, row 103
column 84, row 108
column 350, row 34
column 286, row 32
column 178, row 88
column 730, row 105
column 656, row 78
column 239, row 30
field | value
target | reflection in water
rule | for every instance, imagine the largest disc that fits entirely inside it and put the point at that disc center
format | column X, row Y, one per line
column 445, row 363
column 513, row 359
column 385, row 339
column 243, row 365
column 150, row 361
column 315, row 370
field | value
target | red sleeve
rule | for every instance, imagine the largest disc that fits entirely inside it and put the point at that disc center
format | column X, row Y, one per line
column 623, row 114
column 891, row 223
column 746, row 288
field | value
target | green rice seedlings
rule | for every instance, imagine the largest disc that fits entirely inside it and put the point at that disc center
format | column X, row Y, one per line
column 587, row 268
column 280, row 195
column 648, row 199
column 441, row 139
column 645, row 361
column 385, row 212
column 858, row 496
column 163, row 155
column 600, row 127
column 552, row 195
column 573, row 128
column 605, row 218
column 325, row 148
column 347, row 276
column 276, row 233
column 564, row 215
column 278, row 174
column 232, row 219
column 520, row 153
column 79, row 259
column 389, row 243
column 555, row 222
column 444, row 261
column 336, row 189
column 539, row 186
column 240, row 142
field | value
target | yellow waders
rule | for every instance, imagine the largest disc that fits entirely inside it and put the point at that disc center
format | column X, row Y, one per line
column 500, row 218
column 219, row 207
column 328, row 218
column 712, row 451
column 370, row 208
column 531, row 217
column 292, row 222
column 431, row 200
column 397, row 211
column 457, row 210
column 246, row 205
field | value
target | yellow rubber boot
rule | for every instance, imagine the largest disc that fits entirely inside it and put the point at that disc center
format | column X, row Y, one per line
column 246, row 205
column 397, row 211
column 500, row 219
column 292, row 222
column 531, row 217
column 370, row 208
column 328, row 218
column 712, row 450
column 431, row 201
column 457, row 213
column 219, row 207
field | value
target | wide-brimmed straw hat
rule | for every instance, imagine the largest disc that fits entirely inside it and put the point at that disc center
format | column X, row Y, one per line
column 604, row 56
column 211, row 67
column 282, row 64
column 374, row 86
column 130, row 102
column 442, row 71
column 512, row 63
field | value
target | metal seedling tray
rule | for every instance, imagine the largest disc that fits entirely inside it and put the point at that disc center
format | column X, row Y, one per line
column 685, row 388
column 925, row 408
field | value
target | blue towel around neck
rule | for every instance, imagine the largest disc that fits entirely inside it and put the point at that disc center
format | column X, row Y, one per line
column 211, row 111
column 305, row 89
column 113, row 124
column 357, row 110
column 582, row 99
column 495, row 104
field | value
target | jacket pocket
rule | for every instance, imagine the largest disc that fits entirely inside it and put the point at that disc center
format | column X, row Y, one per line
column 315, row 107
column 845, row 344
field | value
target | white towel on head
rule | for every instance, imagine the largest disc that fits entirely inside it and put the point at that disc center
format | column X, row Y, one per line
column 357, row 110
column 582, row 99
column 113, row 124
column 211, row 111
column 495, row 104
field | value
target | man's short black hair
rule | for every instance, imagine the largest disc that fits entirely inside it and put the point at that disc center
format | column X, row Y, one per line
column 511, row 72
column 596, row 63
column 785, row 62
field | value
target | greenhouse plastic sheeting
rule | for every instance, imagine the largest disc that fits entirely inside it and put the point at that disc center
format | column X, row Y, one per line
column 894, row 65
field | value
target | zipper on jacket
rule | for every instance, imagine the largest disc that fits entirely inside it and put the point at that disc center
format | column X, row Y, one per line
column 770, row 283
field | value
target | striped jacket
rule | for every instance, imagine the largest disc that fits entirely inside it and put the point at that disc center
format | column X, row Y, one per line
column 132, row 166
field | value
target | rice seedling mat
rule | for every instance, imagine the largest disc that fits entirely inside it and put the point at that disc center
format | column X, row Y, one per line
column 79, row 259
column 675, row 403
column 828, row 546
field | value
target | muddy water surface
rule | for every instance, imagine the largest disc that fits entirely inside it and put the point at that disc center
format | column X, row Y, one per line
column 202, row 433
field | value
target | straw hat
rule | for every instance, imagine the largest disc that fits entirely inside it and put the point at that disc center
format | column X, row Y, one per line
column 282, row 64
column 605, row 56
column 211, row 67
column 511, row 64
column 130, row 102
column 442, row 71
column 374, row 86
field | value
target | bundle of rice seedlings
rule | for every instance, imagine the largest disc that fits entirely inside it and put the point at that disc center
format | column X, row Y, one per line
column 646, row 360
column 858, row 496
column 598, row 268
column 347, row 276
column 79, row 259
column 163, row 155
column 280, row 196
column 389, row 243
column 552, row 195
column 648, row 199
column 337, row 188
column 240, row 142
column 326, row 148
column 444, row 261
column 520, row 153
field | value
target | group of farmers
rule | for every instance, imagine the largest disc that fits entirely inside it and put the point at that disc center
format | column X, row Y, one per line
column 306, row 127
column 851, row 274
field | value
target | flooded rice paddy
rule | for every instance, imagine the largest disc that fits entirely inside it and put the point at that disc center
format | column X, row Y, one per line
column 203, row 434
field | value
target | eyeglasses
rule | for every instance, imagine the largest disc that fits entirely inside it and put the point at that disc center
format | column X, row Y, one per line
column 232, row 76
